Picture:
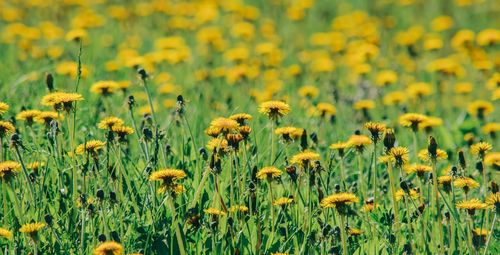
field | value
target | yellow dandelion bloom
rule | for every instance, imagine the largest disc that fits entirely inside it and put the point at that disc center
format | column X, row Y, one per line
column 305, row 157
column 9, row 169
column 241, row 117
column 225, row 125
column 364, row 105
column 466, row 183
column 472, row 204
column 5, row 233
column 45, row 117
column 274, row 109
column 289, row 133
column 28, row 115
column 4, row 107
column 376, row 129
column 6, row 128
column 480, row 148
column 412, row 120
column 32, row 228
column 109, row 248
column 214, row 212
column 418, row 168
column 104, row 88
column 282, row 201
column 268, row 173
column 400, row 194
column 339, row 199
column 61, row 100
column 109, row 122
column 359, row 141
column 480, row 108
column 238, row 208
column 326, row 109
column 92, row 146
column 424, row 155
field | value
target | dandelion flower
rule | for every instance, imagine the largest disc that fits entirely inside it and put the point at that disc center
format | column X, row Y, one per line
column 241, row 118
column 109, row 122
column 338, row 200
column 472, row 205
column 466, row 183
column 9, row 169
column 364, row 105
column 274, row 109
column 268, row 172
column 109, row 248
column 480, row 148
column 400, row 155
column 419, row 169
column 412, row 120
column 326, row 109
column 45, row 117
column 425, row 156
column 376, row 129
column 305, row 157
column 32, row 229
column 167, row 177
column 6, row 128
column 225, row 125
column 61, row 100
column 238, row 208
column 28, row 115
column 104, row 88
column 289, row 133
column 354, row 232
column 4, row 107
column 282, row 201
column 401, row 193
column 214, row 212
column 5, row 233
column 480, row 108
column 92, row 147
column 359, row 141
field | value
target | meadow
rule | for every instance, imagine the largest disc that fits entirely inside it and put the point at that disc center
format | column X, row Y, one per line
column 249, row 127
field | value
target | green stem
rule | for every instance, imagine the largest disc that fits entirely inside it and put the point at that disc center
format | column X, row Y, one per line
column 178, row 234
column 490, row 234
column 343, row 235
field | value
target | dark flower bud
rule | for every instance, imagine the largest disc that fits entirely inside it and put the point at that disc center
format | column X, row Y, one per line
column 479, row 166
column 102, row 238
column 357, row 132
column 115, row 236
column 112, row 197
column 454, row 171
column 303, row 140
column 494, row 187
column 148, row 134
column 48, row 219
column 314, row 137
column 203, row 153
column 131, row 102
column 461, row 159
column 142, row 73
column 100, row 194
column 389, row 139
column 49, row 81
column 432, row 148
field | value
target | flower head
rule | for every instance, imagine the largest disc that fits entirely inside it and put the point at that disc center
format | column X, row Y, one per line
column 400, row 155
column 480, row 108
column 466, row 183
column 6, row 128
column 282, row 201
column 472, row 205
column 304, row 158
column 168, row 177
column 9, row 169
column 480, row 148
column 425, row 156
column 376, row 129
column 241, row 118
column 359, row 141
column 412, row 120
column 28, row 115
column 4, row 107
column 5, row 233
column 289, row 133
column 61, row 100
column 214, row 212
column 268, row 172
column 224, row 125
column 109, row 122
column 32, row 229
column 339, row 200
column 274, row 109
column 104, row 88
column 109, row 248
column 91, row 147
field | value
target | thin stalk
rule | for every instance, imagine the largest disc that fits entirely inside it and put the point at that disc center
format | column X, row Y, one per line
column 374, row 170
column 343, row 235
column 25, row 172
column 394, row 202
column 271, row 205
column 490, row 234
column 170, row 201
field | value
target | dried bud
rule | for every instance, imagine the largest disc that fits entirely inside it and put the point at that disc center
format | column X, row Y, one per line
column 131, row 102
column 389, row 139
column 461, row 159
column 142, row 74
column 432, row 148
column 49, row 81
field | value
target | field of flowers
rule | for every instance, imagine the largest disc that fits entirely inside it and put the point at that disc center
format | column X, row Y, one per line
column 249, row 127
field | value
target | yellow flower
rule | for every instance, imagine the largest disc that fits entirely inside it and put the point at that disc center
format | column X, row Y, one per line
column 109, row 248
column 424, row 155
column 463, row 88
column 376, row 129
column 122, row 131
column 214, row 212
column 268, row 172
column 28, row 115
column 220, row 144
column 305, row 157
column 480, row 108
column 109, row 122
column 488, row 37
column 338, row 199
column 238, row 208
column 9, row 169
column 480, row 148
column 412, row 120
column 442, row 23
column 471, row 205
column 466, row 183
column 225, row 125
column 32, row 228
column 91, row 146
column 492, row 159
column 386, row 77
column 5, row 233
column 394, row 98
column 282, row 201
column 309, row 91
column 364, row 105
column 104, row 88
column 45, row 117
column 419, row 89
column 326, row 109
column 3, row 107
column 400, row 194
column 491, row 128
column 241, row 117
column 430, row 122
column 274, row 109
column 400, row 155
column 6, row 128
column 61, row 100
column 359, row 141
column 289, row 133
column 418, row 168
column 354, row 231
